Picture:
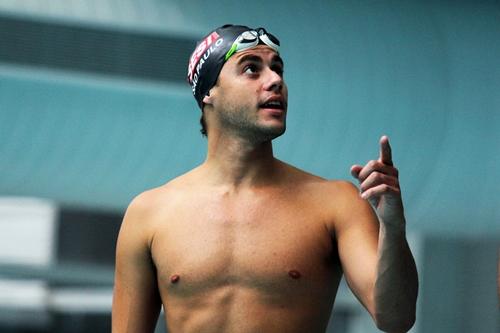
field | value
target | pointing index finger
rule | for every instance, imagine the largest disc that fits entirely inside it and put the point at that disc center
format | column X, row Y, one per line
column 385, row 151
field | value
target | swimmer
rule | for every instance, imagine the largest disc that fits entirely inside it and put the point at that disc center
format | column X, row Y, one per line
column 245, row 242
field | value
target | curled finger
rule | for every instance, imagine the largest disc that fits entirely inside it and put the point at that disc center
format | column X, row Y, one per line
column 377, row 178
column 378, row 166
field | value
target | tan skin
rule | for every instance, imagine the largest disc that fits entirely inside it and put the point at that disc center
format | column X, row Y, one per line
column 247, row 243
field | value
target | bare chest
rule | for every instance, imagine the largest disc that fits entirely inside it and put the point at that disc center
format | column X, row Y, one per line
column 272, row 249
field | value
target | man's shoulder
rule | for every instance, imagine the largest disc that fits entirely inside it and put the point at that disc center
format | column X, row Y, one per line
column 336, row 199
column 164, row 195
column 321, row 184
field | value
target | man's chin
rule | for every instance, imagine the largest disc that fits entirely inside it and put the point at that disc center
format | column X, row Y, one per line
column 259, row 132
column 270, row 132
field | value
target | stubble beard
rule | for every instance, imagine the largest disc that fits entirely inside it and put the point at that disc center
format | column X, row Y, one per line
column 244, row 123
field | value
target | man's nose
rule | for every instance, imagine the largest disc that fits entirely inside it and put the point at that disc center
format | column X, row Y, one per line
column 274, row 81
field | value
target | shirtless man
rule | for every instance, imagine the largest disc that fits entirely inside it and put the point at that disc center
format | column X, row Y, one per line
column 247, row 243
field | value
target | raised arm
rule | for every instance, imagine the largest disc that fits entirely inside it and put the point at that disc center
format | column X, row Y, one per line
column 136, row 301
column 377, row 261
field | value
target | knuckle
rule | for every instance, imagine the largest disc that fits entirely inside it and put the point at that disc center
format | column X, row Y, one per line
column 377, row 177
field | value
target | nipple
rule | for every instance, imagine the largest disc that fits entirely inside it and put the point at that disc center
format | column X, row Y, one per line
column 294, row 274
column 174, row 278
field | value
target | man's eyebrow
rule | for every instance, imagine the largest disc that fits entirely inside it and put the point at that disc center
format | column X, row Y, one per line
column 255, row 58
column 249, row 57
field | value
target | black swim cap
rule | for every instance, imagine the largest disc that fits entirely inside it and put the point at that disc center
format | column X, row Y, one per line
column 214, row 49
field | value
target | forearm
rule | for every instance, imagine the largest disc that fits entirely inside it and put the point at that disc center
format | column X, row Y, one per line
column 392, row 301
column 396, row 284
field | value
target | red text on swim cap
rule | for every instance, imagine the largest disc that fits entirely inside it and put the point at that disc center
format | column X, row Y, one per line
column 200, row 49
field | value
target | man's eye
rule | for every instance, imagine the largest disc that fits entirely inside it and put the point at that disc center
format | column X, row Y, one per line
column 250, row 69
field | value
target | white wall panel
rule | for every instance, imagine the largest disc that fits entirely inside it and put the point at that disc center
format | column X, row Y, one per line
column 27, row 230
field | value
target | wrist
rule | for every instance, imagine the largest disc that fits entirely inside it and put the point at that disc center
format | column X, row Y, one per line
column 394, row 227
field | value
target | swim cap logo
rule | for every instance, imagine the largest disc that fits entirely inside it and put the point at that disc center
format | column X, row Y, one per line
column 200, row 55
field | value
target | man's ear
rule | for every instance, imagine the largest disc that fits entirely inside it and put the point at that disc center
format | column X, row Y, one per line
column 208, row 99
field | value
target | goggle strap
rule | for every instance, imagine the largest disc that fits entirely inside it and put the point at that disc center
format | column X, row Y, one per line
column 231, row 51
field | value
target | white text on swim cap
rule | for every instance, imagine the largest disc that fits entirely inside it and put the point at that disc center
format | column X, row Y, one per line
column 201, row 62
column 202, row 47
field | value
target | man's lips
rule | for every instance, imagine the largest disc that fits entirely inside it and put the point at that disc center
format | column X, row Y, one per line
column 274, row 103
column 273, row 112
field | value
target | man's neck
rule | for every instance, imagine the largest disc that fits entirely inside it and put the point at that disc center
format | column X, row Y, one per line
column 237, row 163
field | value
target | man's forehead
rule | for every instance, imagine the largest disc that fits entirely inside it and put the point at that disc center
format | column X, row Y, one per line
column 261, row 51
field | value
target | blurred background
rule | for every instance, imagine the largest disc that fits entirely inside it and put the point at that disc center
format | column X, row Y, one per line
column 94, row 109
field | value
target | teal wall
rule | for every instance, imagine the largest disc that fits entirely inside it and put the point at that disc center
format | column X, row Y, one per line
column 425, row 73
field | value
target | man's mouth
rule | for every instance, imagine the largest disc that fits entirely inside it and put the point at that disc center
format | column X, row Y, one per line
column 274, row 104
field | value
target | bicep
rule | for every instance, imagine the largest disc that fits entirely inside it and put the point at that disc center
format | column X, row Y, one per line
column 357, row 230
column 136, row 300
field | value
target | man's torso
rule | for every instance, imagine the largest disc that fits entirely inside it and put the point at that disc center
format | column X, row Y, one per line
column 259, row 260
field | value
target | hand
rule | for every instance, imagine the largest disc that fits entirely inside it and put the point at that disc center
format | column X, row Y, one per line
column 379, row 184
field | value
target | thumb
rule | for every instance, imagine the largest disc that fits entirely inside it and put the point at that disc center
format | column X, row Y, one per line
column 355, row 170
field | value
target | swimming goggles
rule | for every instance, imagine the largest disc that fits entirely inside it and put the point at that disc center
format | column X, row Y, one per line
column 252, row 38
